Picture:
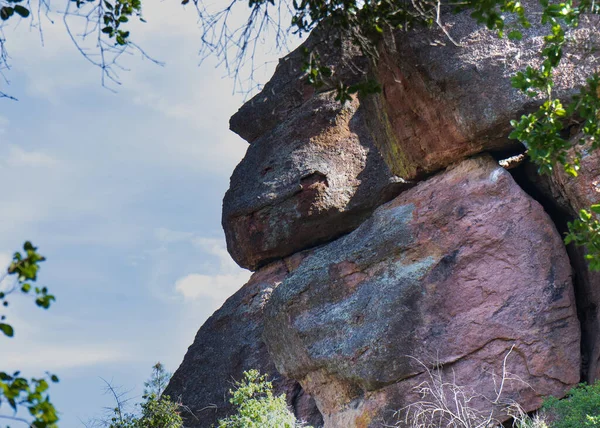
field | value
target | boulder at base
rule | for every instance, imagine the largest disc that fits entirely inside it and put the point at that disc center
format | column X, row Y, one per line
column 228, row 344
column 454, row 272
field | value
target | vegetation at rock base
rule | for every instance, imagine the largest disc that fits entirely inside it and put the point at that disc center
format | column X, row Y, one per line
column 365, row 23
column 257, row 406
column 581, row 408
column 444, row 403
column 16, row 391
column 155, row 411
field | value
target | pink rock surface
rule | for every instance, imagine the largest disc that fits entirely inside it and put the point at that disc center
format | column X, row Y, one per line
column 442, row 102
column 573, row 194
column 315, row 170
column 457, row 270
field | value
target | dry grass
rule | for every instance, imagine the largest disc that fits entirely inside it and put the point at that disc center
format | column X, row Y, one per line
column 444, row 404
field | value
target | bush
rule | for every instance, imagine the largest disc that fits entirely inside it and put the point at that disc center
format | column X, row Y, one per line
column 156, row 411
column 581, row 408
column 256, row 405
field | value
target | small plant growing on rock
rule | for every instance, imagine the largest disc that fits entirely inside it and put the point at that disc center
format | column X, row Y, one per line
column 257, row 406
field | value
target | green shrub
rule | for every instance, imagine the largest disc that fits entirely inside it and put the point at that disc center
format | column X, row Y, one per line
column 581, row 408
column 256, row 405
column 156, row 411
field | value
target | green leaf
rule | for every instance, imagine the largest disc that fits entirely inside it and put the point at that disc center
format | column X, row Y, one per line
column 595, row 208
column 7, row 329
column 586, row 216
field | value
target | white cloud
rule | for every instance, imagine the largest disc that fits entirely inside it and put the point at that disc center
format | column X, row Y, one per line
column 4, row 122
column 169, row 236
column 217, row 248
column 226, row 277
column 216, row 287
column 17, row 157
column 56, row 357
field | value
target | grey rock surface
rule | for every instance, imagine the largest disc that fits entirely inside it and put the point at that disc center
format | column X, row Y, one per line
column 311, row 179
column 228, row 344
column 456, row 270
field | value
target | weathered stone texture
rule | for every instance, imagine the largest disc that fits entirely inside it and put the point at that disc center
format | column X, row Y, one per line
column 308, row 181
column 461, row 269
column 572, row 194
column 457, row 270
column 228, row 344
column 314, row 170
column 287, row 90
column 442, row 102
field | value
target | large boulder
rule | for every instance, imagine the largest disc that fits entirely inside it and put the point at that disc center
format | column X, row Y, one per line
column 228, row 344
column 308, row 181
column 455, row 273
column 447, row 93
column 315, row 169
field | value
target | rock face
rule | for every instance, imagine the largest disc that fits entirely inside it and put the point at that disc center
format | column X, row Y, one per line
column 286, row 91
column 314, row 177
column 440, row 103
column 389, row 247
column 572, row 194
column 228, row 344
column 456, row 271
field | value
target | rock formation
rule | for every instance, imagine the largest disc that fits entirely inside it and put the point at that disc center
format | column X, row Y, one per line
column 572, row 194
column 437, row 273
column 228, row 344
column 387, row 242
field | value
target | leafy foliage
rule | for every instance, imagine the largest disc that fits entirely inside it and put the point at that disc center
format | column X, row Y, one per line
column 31, row 394
column 257, row 407
column 542, row 131
column 158, row 380
column 15, row 390
column 586, row 231
column 24, row 268
column 156, row 411
column 97, row 28
column 115, row 15
column 581, row 408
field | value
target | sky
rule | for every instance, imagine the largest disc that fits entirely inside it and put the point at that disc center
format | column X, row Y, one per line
column 122, row 192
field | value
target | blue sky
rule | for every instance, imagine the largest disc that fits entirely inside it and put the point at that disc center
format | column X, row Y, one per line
column 122, row 193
